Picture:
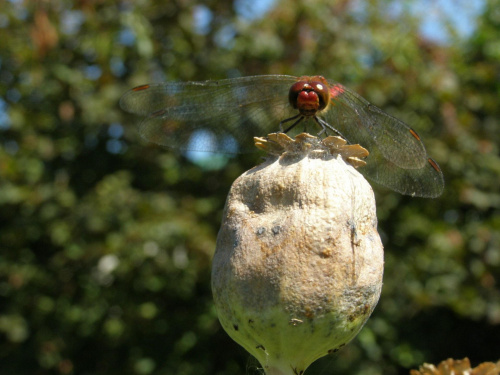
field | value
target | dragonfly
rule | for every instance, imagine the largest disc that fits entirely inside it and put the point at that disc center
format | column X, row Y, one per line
column 233, row 111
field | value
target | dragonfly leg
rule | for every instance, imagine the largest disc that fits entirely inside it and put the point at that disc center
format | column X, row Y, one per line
column 324, row 125
column 291, row 126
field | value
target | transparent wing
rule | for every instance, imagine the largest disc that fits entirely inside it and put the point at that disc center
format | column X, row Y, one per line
column 427, row 182
column 395, row 140
column 398, row 159
column 224, row 116
column 232, row 112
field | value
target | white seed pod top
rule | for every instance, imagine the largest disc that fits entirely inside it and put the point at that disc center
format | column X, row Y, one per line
column 299, row 263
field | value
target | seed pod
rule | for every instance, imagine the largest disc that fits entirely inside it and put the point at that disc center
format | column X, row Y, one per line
column 298, row 265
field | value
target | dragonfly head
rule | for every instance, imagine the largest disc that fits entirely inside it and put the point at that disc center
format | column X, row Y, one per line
column 309, row 95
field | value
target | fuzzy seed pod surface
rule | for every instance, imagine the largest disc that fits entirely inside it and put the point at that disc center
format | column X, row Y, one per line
column 299, row 262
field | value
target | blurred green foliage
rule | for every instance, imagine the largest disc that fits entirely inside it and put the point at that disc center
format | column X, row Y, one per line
column 106, row 241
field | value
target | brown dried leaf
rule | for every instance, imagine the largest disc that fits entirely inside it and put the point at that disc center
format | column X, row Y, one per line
column 43, row 33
